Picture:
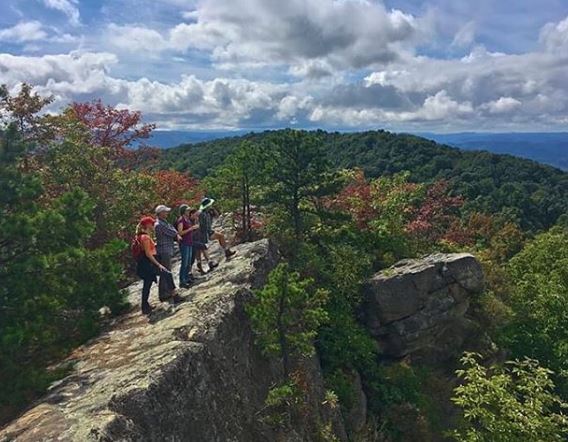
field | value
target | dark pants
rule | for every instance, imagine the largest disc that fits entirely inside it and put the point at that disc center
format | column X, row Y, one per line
column 166, row 285
column 146, row 292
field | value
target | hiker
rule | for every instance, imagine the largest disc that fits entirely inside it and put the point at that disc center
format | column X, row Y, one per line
column 206, row 222
column 185, row 228
column 147, row 266
column 200, row 247
column 166, row 236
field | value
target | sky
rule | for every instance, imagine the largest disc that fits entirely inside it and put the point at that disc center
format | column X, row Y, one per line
column 401, row 65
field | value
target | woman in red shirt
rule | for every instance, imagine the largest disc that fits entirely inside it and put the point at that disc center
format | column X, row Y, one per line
column 147, row 267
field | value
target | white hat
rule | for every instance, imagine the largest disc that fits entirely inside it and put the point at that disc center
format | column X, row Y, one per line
column 161, row 208
column 206, row 203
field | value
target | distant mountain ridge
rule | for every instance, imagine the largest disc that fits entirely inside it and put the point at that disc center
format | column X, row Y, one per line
column 165, row 139
column 545, row 147
column 531, row 194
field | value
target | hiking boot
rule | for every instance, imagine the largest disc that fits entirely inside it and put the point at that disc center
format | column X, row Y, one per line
column 147, row 309
column 176, row 299
column 212, row 265
column 229, row 253
column 185, row 285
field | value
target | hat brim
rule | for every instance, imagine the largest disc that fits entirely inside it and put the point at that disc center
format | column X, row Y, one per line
column 206, row 206
column 165, row 209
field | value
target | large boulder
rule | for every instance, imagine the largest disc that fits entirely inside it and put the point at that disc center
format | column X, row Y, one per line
column 418, row 307
column 189, row 374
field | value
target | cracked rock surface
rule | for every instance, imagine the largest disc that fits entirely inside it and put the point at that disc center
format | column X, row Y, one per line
column 418, row 307
column 189, row 373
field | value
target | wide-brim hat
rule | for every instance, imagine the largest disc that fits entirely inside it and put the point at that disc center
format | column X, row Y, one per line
column 206, row 203
column 161, row 208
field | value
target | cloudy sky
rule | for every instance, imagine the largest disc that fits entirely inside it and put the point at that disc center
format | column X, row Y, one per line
column 412, row 65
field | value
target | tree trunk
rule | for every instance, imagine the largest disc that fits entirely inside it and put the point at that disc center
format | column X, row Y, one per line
column 248, row 210
column 296, row 215
column 283, row 340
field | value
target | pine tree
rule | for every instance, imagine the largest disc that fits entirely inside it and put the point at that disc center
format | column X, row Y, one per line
column 287, row 316
column 299, row 174
column 51, row 286
column 239, row 182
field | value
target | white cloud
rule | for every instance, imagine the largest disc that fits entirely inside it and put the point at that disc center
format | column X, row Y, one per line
column 465, row 36
column 554, row 36
column 23, row 32
column 290, row 106
column 218, row 103
column 442, row 106
column 502, row 105
column 347, row 34
column 135, row 38
column 67, row 7
column 383, row 78
column 65, row 75
column 347, row 63
column 312, row 69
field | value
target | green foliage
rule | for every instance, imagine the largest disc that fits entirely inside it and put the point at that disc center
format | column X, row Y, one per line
column 23, row 112
column 119, row 195
column 52, row 285
column 281, row 403
column 508, row 404
column 340, row 268
column 288, row 312
column 299, row 174
column 539, row 300
column 406, row 398
column 524, row 192
column 238, row 183
column 338, row 240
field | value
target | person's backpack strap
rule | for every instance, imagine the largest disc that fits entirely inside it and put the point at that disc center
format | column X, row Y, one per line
column 137, row 248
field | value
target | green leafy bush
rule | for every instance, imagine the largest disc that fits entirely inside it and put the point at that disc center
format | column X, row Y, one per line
column 512, row 403
column 539, row 300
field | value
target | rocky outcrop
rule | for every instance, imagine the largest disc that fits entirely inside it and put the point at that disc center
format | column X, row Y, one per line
column 356, row 416
column 190, row 373
column 417, row 308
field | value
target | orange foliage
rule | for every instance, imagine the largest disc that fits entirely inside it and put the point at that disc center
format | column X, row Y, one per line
column 175, row 188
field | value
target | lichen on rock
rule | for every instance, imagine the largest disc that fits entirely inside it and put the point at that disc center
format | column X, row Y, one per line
column 193, row 374
column 418, row 307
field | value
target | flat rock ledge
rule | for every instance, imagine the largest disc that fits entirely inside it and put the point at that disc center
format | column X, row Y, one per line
column 189, row 373
column 418, row 307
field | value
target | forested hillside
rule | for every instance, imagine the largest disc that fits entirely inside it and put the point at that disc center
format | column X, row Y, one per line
column 531, row 194
column 341, row 208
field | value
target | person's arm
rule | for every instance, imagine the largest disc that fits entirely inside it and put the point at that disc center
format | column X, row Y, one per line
column 167, row 230
column 181, row 230
column 148, row 252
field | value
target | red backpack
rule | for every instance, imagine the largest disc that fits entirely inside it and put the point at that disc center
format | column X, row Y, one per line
column 136, row 248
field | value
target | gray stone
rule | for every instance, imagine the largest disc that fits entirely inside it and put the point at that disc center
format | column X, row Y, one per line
column 417, row 307
column 189, row 373
column 356, row 417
